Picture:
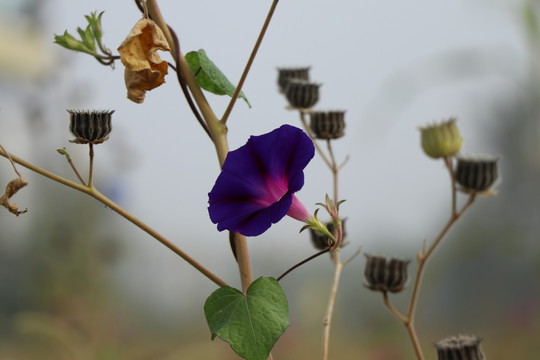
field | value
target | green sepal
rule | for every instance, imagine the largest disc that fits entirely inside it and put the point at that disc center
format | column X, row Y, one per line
column 250, row 323
column 209, row 77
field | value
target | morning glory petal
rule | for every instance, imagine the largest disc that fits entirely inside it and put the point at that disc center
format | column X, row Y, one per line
column 255, row 187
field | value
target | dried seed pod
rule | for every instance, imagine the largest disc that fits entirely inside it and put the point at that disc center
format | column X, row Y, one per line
column 327, row 124
column 439, row 140
column 476, row 174
column 286, row 74
column 11, row 189
column 90, row 127
column 462, row 347
column 385, row 273
column 301, row 93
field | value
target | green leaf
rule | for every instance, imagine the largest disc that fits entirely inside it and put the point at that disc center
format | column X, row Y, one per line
column 209, row 77
column 250, row 323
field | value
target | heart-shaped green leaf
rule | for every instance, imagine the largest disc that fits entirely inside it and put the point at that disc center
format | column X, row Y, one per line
column 209, row 77
column 250, row 323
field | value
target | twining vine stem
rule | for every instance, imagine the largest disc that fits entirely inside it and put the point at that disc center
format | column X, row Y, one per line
column 422, row 258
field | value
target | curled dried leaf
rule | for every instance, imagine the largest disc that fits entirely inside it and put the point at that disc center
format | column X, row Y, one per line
column 145, row 70
column 11, row 189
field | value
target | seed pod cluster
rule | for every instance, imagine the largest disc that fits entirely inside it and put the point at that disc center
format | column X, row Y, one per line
column 386, row 273
column 286, row 74
column 462, row 347
column 90, row 127
column 327, row 124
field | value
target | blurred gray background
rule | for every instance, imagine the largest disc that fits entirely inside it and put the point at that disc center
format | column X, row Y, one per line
column 78, row 281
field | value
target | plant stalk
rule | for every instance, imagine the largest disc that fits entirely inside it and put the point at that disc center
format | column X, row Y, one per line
column 119, row 210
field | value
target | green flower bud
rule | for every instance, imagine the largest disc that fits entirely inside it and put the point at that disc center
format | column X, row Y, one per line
column 87, row 38
column 69, row 42
column 321, row 241
column 442, row 139
column 95, row 23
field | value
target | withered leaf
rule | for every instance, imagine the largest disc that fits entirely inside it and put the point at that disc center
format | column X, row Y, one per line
column 145, row 70
column 11, row 189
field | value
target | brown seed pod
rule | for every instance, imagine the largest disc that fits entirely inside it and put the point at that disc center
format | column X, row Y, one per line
column 301, row 93
column 476, row 174
column 385, row 273
column 90, row 127
column 327, row 124
column 462, row 347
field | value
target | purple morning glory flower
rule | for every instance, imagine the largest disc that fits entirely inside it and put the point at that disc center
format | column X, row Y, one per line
column 256, row 186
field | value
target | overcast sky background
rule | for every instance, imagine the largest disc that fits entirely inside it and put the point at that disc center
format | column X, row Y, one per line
column 392, row 66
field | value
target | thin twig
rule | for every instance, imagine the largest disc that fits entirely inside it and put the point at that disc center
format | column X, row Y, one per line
column 303, row 262
column 350, row 258
column 392, row 309
column 422, row 258
column 334, row 169
column 91, row 167
column 70, row 162
column 227, row 112
column 116, row 208
column 344, row 162
column 331, row 303
column 335, row 255
column 11, row 160
column 450, row 167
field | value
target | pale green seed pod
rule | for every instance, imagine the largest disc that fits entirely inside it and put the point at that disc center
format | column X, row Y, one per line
column 440, row 140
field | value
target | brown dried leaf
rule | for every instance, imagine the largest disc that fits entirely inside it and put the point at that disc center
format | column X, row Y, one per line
column 145, row 70
column 11, row 189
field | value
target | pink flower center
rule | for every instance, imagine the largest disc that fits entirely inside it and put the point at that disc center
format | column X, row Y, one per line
column 275, row 189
